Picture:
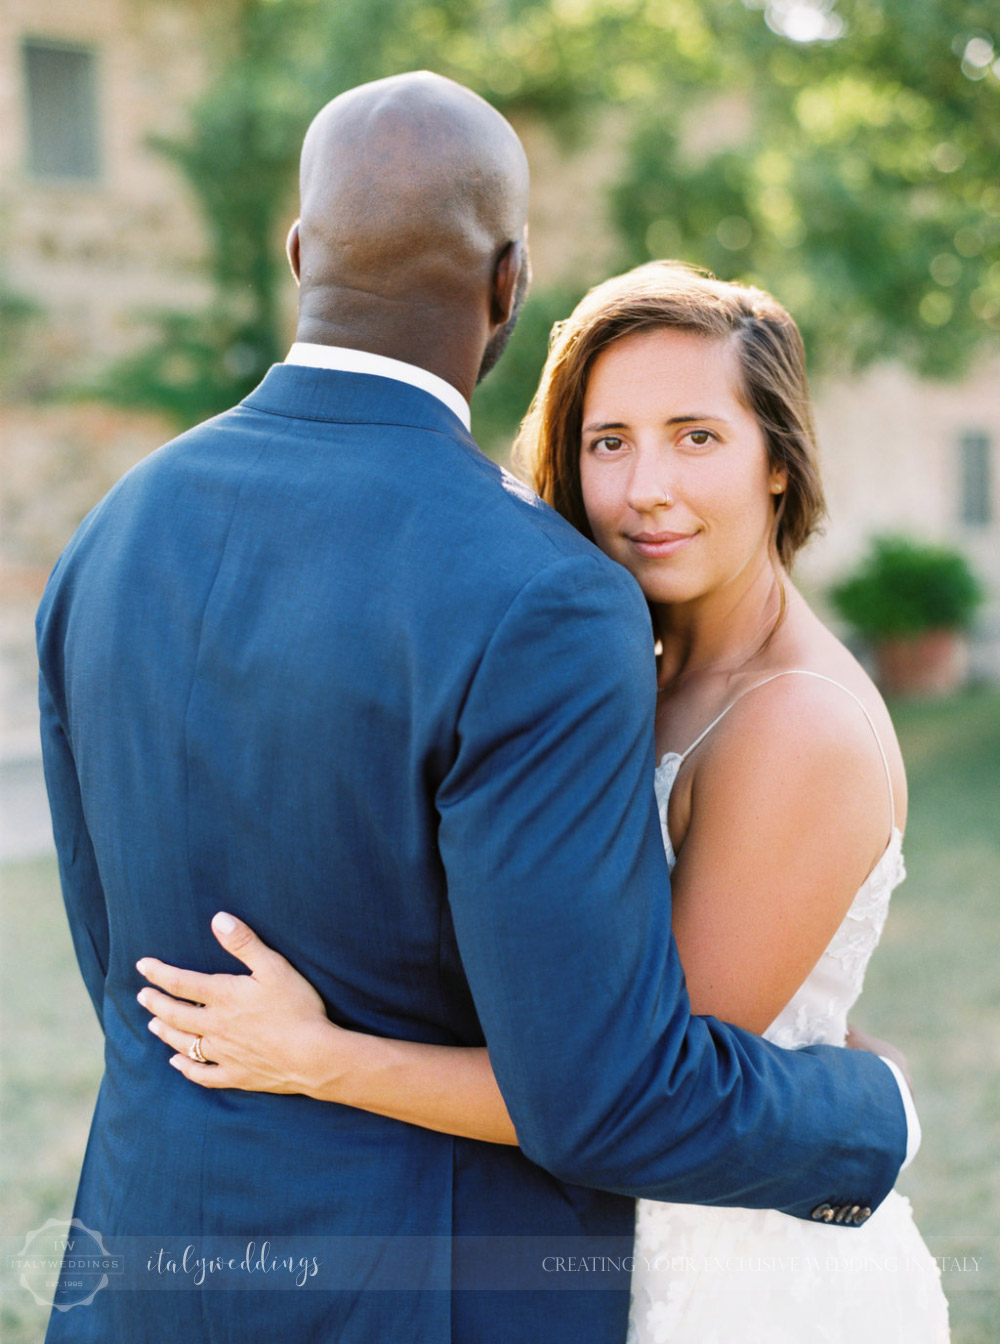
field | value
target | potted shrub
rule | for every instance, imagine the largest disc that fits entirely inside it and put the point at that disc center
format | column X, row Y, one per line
column 913, row 603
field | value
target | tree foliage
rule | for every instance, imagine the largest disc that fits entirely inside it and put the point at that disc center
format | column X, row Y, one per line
column 855, row 176
column 840, row 152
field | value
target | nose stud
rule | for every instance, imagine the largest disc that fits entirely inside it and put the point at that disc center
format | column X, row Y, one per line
column 654, row 501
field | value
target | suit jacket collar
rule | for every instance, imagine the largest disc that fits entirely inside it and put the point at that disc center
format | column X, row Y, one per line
column 300, row 393
column 364, row 361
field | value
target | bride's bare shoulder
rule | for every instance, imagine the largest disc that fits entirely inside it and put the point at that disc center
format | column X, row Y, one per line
column 809, row 685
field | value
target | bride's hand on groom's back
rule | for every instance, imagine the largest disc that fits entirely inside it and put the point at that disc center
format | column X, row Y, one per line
column 262, row 1032
column 861, row 1040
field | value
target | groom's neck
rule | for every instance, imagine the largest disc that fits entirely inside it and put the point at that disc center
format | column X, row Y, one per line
column 446, row 339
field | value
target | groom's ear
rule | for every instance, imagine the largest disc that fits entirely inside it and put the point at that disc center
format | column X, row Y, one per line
column 292, row 251
column 503, row 299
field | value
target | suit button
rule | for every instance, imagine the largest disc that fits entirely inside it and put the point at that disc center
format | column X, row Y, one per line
column 861, row 1216
column 822, row 1213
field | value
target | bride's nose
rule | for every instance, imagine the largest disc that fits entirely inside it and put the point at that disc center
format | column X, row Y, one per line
column 648, row 487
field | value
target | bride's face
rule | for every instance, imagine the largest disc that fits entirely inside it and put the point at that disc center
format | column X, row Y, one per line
column 673, row 466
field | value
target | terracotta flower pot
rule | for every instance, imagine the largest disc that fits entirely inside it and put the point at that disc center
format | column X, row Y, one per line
column 933, row 662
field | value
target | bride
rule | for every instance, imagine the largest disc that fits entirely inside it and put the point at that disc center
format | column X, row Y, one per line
column 673, row 426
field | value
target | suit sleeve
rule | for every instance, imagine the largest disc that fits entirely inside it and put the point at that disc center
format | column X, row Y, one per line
column 559, row 892
column 81, row 882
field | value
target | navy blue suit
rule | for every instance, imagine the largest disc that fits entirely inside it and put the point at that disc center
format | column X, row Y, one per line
column 321, row 663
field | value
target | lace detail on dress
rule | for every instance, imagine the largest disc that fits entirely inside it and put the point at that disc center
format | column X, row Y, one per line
column 712, row 1275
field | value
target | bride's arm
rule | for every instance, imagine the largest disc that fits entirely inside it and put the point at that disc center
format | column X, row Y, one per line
column 796, row 787
column 448, row 1088
column 268, row 1032
column 794, row 781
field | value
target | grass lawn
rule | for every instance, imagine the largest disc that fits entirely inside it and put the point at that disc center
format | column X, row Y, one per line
column 933, row 988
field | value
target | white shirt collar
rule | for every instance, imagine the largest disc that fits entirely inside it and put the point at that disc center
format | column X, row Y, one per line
column 343, row 360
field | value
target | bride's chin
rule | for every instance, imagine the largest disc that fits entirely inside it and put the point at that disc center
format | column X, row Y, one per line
column 664, row 592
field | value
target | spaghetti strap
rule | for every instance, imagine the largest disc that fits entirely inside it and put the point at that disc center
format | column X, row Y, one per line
column 804, row 672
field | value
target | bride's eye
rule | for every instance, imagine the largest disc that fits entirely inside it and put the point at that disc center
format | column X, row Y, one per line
column 699, row 438
column 608, row 443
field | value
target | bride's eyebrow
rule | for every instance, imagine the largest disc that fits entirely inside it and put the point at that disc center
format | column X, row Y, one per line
column 685, row 419
column 702, row 415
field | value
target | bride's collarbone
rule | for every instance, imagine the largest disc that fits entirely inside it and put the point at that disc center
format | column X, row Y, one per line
column 746, row 745
column 685, row 710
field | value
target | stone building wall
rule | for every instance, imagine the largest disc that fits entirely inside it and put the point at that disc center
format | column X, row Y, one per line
column 93, row 250
column 81, row 256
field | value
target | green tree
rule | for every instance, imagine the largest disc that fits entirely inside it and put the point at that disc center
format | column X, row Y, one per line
column 854, row 174
column 279, row 61
column 841, row 154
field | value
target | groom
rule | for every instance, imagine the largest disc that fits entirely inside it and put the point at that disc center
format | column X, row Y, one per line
column 322, row 663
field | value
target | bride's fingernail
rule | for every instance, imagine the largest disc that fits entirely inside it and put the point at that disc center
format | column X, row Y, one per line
column 175, row 1060
column 153, row 1026
column 223, row 923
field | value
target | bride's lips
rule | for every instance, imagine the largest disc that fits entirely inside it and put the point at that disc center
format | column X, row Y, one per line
column 655, row 544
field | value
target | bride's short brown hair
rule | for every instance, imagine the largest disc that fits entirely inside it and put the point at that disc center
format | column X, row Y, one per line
column 674, row 295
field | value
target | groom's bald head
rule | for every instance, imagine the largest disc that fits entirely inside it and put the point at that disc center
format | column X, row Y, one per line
column 413, row 191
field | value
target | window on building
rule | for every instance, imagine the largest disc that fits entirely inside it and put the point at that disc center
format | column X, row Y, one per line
column 61, row 85
column 977, row 484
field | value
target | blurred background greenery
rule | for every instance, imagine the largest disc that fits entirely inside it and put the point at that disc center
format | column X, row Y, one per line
column 841, row 153
column 844, row 158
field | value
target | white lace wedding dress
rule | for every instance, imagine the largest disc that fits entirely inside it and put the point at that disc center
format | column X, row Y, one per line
column 747, row 1276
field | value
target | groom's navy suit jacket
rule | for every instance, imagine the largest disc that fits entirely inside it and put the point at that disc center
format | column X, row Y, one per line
column 321, row 663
